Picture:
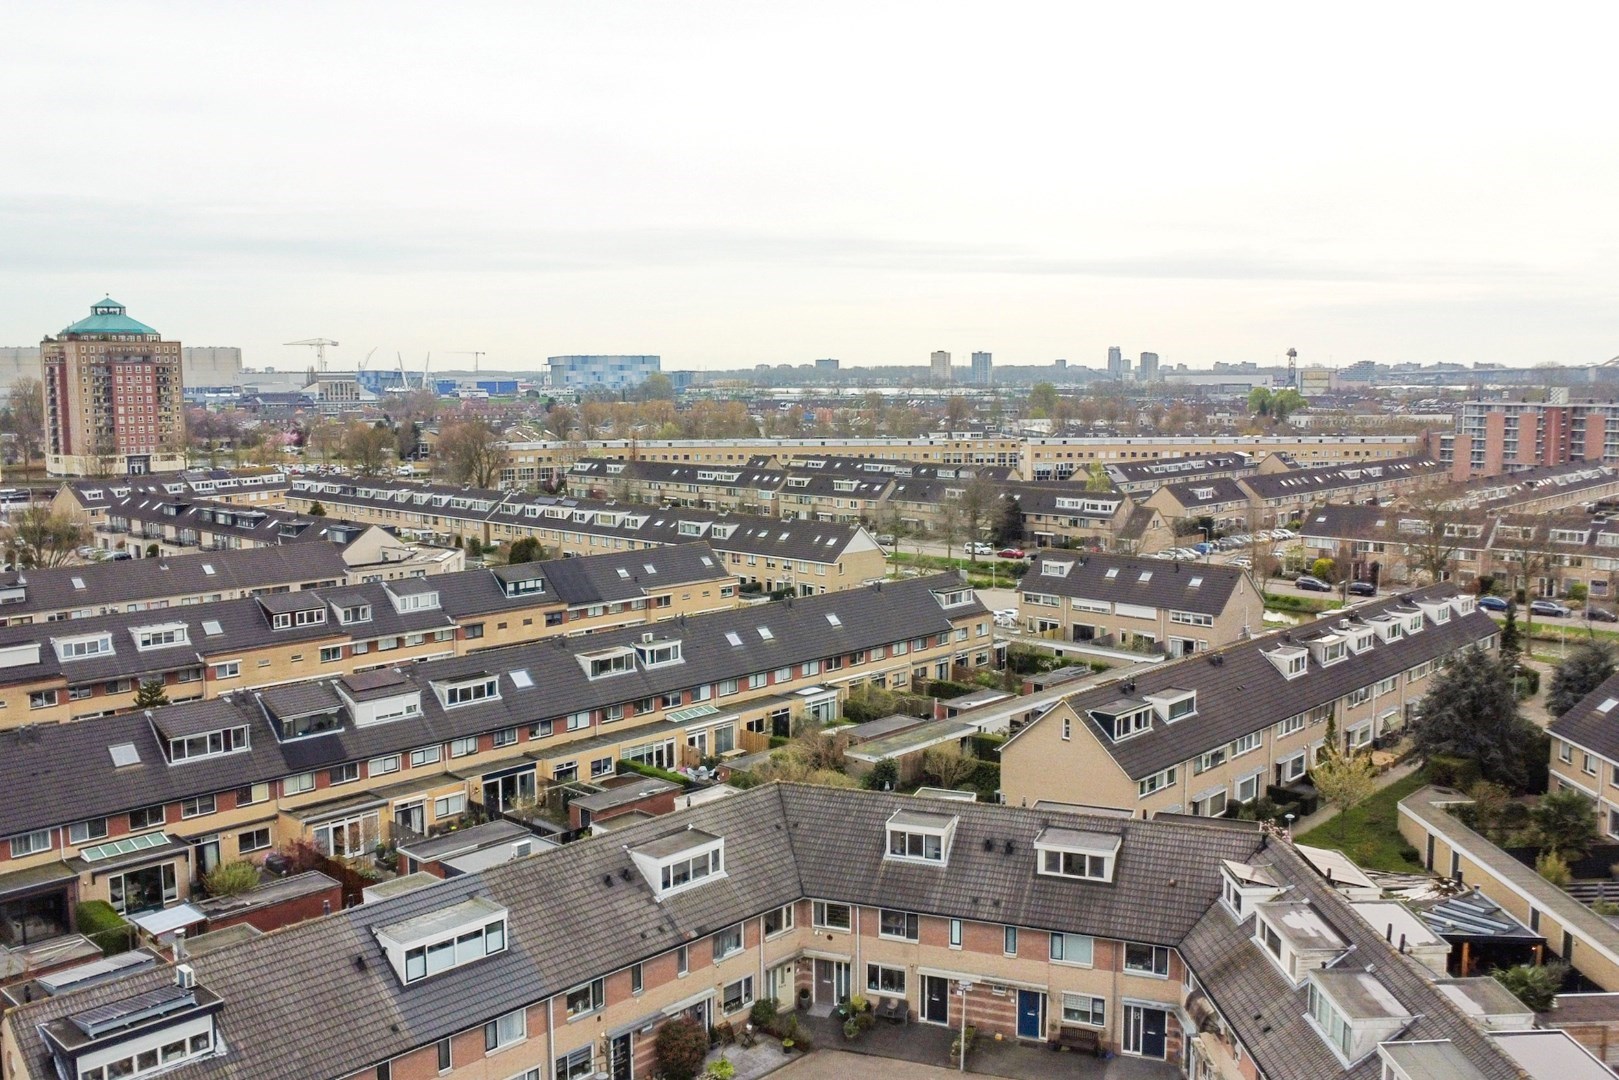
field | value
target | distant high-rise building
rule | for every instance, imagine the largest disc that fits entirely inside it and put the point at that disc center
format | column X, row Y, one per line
column 982, row 369
column 941, row 366
column 1148, row 372
column 113, row 397
column 1060, row 365
column 609, row 372
column 828, row 364
column 1115, row 363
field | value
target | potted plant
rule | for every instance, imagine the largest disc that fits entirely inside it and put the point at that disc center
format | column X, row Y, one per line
column 803, row 997
column 851, row 1028
column 858, row 1004
column 789, row 1035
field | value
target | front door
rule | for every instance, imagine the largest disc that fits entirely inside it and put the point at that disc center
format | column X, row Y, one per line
column 620, row 1056
column 206, row 855
column 823, row 982
column 935, row 999
column 1144, row 1030
column 1031, row 1005
column 779, row 982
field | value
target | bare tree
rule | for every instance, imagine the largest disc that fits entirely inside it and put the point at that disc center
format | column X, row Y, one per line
column 471, row 452
column 365, row 448
column 1426, row 532
column 949, row 764
column 39, row 535
column 25, row 417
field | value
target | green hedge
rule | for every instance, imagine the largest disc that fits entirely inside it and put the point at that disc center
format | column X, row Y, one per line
column 986, row 779
column 944, row 689
column 110, row 931
column 651, row 770
column 986, row 747
column 1453, row 772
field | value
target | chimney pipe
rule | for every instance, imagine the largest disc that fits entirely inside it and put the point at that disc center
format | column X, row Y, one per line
column 180, row 945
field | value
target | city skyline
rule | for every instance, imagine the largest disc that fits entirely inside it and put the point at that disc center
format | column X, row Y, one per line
column 727, row 185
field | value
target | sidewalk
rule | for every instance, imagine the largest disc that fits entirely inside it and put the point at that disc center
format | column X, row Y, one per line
column 1327, row 813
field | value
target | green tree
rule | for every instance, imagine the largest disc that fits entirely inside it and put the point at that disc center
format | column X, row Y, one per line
column 366, row 446
column 525, row 550
column 1259, row 400
column 656, row 387
column 316, row 509
column 1007, row 524
column 1097, row 478
column 1564, row 822
column 1042, row 401
column 151, row 694
column 1535, row 985
column 1589, row 666
column 39, row 536
column 471, row 452
column 948, row 764
column 1323, row 568
column 1511, row 637
column 1286, row 402
column 1471, row 711
column 883, row 776
column 1345, row 780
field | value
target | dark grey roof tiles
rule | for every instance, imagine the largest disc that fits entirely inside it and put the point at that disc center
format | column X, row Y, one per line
column 1196, row 587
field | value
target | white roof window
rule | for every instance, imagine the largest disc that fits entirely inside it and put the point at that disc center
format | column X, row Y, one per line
column 444, row 939
column 1055, row 569
column 1290, row 660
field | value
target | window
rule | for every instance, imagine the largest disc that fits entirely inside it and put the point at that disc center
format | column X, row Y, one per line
column 1248, row 743
column 331, row 654
column 1290, row 725
column 727, row 942
column 1009, row 944
column 449, row 806
column 737, row 996
column 30, row 843
column 343, row 774
column 682, row 960
column 828, row 916
column 197, row 806
column 146, row 817
column 297, row 785
column 209, row 744
column 1146, row 959
column 684, row 872
column 779, row 921
column 903, row 925
column 428, row 755
column 1072, row 949
column 586, row 999
column 466, row 693
column 42, row 699
column 381, row 766
column 927, row 847
column 505, row 737
column 444, row 1058
column 1248, row 788
column 82, row 832
column 1084, row 1009
column 504, row 1031
column 955, row 933
column 882, row 979
column 253, row 840
column 463, row 746
column 1157, row 782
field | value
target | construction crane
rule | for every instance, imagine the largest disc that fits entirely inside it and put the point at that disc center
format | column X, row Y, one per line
column 319, row 344
column 476, row 356
column 361, row 366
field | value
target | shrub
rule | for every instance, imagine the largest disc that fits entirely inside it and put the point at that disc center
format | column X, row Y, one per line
column 109, row 930
column 1554, row 868
column 1453, row 772
column 679, row 1048
column 1535, row 986
column 763, row 1014
column 652, row 770
column 722, row 1070
column 231, row 878
column 883, row 776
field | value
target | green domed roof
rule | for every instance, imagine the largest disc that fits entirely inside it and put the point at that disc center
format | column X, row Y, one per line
column 107, row 317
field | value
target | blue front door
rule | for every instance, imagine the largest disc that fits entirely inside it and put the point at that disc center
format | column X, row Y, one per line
column 1030, row 1004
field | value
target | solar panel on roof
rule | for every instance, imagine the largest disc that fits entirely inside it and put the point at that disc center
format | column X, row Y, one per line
column 159, row 1002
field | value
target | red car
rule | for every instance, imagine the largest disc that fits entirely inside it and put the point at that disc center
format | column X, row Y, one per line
column 1010, row 553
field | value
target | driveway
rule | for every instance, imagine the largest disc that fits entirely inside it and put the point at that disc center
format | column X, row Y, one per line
column 1032, row 1065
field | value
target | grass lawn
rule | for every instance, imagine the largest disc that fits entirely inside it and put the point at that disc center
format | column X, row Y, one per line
column 1369, row 833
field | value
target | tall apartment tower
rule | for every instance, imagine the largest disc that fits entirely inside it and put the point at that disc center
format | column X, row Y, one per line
column 941, row 366
column 1148, row 372
column 1115, row 363
column 982, row 369
column 113, row 397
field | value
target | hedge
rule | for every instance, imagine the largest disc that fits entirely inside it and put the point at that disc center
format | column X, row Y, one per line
column 652, row 770
column 986, row 747
column 110, row 931
column 1453, row 772
column 986, row 779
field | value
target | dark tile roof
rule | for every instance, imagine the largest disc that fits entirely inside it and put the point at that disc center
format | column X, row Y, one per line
column 582, row 910
column 1240, row 691
column 1211, row 491
column 1195, row 587
column 1311, row 483
column 1593, row 722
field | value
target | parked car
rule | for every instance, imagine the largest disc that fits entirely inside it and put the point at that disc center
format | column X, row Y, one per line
column 1312, row 584
column 1601, row 614
column 1243, row 561
column 1362, row 588
column 1549, row 607
column 980, row 548
column 1492, row 603
column 1011, row 553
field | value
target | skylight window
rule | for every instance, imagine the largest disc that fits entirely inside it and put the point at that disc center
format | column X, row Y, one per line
column 832, row 618
column 765, row 634
column 212, row 628
column 1146, row 576
column 1607, row 705
column 1112, row 572
column 521, row 679
column 733, row 637
column 1194, row 583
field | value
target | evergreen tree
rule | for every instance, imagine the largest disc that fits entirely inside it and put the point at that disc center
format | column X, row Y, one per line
column 1511, row 637
column 1008, row 526
column 1471, row 711
column 151, row 694
column 1562, row 821
column 1589, row 666
column 525, row 550
column 316, row 509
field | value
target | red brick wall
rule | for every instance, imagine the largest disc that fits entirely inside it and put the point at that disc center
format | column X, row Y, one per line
column 274, row 916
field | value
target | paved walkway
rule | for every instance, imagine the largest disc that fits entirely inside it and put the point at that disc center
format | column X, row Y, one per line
column 1029, row 1064
column 1328, row 812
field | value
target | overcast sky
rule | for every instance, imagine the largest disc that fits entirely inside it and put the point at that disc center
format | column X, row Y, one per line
column 734, row 183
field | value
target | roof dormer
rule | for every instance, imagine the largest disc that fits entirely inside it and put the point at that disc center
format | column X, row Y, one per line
column 1122, row 718
column 1242, row 887
column 146, row 1033
column 379, row 696
column 1080, row 854
column 601, row 663
column 448, row 938
column 1353, row 1011
column 412, row 594
column 657, row 652
column 1437, row 611
column 920, row 837
column 1329, row 649
column 1290, row 660
column 83, row 646
column 1296, row 937
column 1387, row 627
column 1173, row 704
column 467, row 689
column 679, row 861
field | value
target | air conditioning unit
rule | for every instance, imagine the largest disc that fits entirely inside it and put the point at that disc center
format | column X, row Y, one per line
column 185, row 977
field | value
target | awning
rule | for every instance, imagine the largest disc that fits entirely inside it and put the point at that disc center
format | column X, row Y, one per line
column 836, row 958
column 685, row 1003
column 638, row 1024
column 168, row 920
column 981, row 980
